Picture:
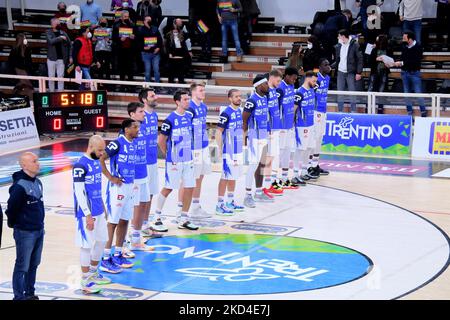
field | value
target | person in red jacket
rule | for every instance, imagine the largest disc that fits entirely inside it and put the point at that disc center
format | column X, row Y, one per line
column 83, row 54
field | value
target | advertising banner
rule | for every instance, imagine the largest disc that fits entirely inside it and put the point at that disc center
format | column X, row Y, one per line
column 367, row 134
column 432, row 138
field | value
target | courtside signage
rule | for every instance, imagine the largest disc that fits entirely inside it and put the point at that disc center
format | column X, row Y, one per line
column 241, row 264
column 367, row 134
column 432, row 138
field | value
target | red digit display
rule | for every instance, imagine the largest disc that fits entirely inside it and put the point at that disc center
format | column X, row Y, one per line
column 57, row 124
column 100, row 122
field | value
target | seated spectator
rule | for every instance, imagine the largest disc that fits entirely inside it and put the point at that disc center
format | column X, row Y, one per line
column 312, row 54
column 228, row 13
column 150, row 42
column 379, row 72
column 116, row 4
column 20, row 63
column 58, row 53
column 123, row 43
column 178, row 54
column 83, row 55
column 411, row 13
column 103, row 48
column 340, row 21
column 92, row 12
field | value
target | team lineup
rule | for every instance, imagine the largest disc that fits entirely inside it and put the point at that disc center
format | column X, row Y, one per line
column 277, row 124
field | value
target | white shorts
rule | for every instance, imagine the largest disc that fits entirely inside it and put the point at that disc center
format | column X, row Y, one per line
column 306, row 135
column 255, row 150
column 153, row 179
column 85, row 238
column 287, row 139
column 274, row 144
column 120, row 202
column 178, row 172
column 141, row 193
column 320, row 124
column 232, row 169
column 202, row 162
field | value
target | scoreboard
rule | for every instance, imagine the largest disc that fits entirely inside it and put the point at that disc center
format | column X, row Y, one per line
column 58, row 112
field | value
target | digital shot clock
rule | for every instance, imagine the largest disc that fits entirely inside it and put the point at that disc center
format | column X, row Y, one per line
column 59, row 112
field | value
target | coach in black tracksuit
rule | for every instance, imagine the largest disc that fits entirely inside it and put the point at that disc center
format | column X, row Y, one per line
column 26, row 215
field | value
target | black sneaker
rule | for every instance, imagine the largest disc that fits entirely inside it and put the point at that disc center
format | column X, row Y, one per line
column 299, row 181
column 187, row 225
column 322, row 172
column 305, row 177
column 311, row 173
column 33, row 297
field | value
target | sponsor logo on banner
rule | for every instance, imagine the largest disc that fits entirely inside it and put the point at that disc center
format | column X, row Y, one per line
column 439, row 138
column 432, row 138
column 18, row 130
column 367, row 134
column 235, row 264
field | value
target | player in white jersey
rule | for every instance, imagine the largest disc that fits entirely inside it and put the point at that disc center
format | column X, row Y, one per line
column 229, row 137
column 175, row 142
column 120, row 191
column 92, row 232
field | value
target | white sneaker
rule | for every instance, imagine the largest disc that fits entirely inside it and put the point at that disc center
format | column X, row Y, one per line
column 199, row 213
column 88, row 286
column 158, row 226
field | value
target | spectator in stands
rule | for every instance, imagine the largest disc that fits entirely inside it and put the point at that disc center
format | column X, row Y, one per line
column 63, row 17
column 205, row 25
column 250, row 13
column 178, row 54
column 151, row 8
column 103, row 48
column 364, row 6
column 123, row 42
column 443, row 17
column 410, row 62
column 379, row 72
column 312, row 54
column 228, row 13
column 143, row 9
column 116, row 4
column 83, row 55
column 411, row 12
column 125, row 5
column 340, row 21
column 58, row 53
column 92, row 12
column 150, row 44
column 20, row 63
column 349, row 63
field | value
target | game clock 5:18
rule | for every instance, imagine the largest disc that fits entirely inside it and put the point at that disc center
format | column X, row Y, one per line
column 72, row 99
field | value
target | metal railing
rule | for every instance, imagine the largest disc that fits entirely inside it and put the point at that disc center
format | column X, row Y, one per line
column 439, row 102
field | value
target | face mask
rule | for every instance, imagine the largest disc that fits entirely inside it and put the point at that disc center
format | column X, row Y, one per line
column 310, row 46
column 89, row 35
column 90, row 2
column 103, row 24
column 147, row 22
column 94, row 156
column 62, row 10
column 124, row 4
column 126, row 20
column 341, row 41
column 58, row 27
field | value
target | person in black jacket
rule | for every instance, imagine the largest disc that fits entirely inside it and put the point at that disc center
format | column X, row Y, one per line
column 339, row 21
column 410, row 62
column 150, row 43
column 20, row 63
column 312, row 54
column 26, row 215
column 179, row 55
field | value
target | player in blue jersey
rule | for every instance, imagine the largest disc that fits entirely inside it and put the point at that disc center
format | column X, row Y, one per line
column 256, row 125
column 150, row 100
column 270, row 177
column 320, row 115
column 198, row 112
column 175, row 142
column 141, row 190
column 120, row 191
column 286, row 92
column 305, row 100
column 92, row 232
column 229, row 137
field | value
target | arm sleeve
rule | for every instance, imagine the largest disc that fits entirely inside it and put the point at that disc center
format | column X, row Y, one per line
column 249, row 106
column 223, row 120
column 166, row 127
column 162, row 26
column 15, row 201
column 52, row 39
column 79, row 177
column 113, row 148
column 401, row 8
column 359, row 59
column 298, row 97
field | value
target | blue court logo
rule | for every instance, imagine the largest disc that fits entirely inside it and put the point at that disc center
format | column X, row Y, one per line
column 259, row 228
column 237, row 264
column 115, row 294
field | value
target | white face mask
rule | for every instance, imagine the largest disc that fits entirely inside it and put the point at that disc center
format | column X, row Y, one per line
column 310, row 46
column 25, row 41
column 89, row 35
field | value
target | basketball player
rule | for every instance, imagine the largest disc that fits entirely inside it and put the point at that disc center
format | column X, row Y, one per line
column 320, row 114
column 150, row 100
column 92, row 232
column 141, row 192
column 255, row 125
column 286, row 92
column 202, row 161
column 229, row 137
column 120, row 191
column 175, row 142
column 305, row 99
